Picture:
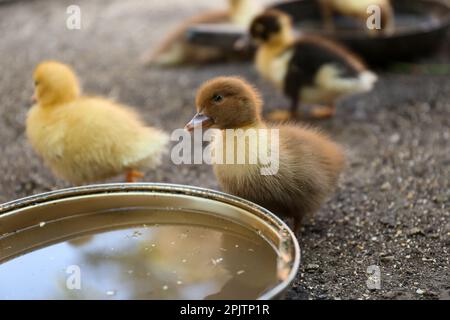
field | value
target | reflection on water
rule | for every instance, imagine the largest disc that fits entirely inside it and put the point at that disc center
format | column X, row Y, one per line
column 147, row 262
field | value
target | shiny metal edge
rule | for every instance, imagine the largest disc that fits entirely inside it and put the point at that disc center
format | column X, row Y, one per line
column 269, row 217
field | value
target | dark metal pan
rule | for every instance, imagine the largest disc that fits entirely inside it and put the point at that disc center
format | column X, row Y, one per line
column 421, row 27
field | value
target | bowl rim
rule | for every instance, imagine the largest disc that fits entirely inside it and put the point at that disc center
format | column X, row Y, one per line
column 444, row 22
column 11, row 207
column 442, row 25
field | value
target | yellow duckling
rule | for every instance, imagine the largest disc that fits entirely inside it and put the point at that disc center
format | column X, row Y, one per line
column 309, row 163
column 358, row 9
column 175, row 50
column 86, row 139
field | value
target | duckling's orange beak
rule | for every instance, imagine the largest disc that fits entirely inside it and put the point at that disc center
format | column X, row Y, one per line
column 199, row 121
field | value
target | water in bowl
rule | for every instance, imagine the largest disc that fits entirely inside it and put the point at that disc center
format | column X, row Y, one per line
column 200, row 257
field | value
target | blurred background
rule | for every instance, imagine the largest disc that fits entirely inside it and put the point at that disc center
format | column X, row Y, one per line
column 392, row 207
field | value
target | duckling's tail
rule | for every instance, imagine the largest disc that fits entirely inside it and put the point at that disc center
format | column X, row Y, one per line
column 367, row 80
column 148, row 151
column 329, row 78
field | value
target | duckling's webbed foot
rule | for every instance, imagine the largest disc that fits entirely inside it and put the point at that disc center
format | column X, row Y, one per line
column 322, row 112
column 284, row 115
column 279, row 116
column 133, row 176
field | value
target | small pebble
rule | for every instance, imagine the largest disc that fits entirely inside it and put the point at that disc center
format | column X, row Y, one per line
column 415, row 231
column 386, row 186
column 312, row 267
column 387, row 258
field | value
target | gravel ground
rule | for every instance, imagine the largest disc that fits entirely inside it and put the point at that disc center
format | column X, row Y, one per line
column 391, row 209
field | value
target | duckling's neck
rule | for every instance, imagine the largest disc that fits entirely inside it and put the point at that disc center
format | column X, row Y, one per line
column 268, row 52
column 258, row 123
column 278, row 43
column 243, row 11
column 59, row 97
column 285, row 38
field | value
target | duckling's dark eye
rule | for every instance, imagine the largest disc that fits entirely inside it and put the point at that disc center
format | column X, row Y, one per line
column 217, row 98
column 36, row 83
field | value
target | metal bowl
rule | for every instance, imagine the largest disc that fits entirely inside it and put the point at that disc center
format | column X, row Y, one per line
column 42, row 221
column 422, row 26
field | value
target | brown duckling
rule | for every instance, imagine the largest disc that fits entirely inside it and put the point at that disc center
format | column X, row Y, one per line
column 175, row 50
column 309, row 163
column 308, row 69
column 358, row 9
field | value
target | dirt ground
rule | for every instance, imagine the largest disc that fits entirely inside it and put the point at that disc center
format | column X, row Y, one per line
column 392, row 206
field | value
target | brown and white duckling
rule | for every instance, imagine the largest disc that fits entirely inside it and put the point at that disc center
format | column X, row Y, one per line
column 308, row 69
column 309, row 163
column 358, row 9
column 175, row 49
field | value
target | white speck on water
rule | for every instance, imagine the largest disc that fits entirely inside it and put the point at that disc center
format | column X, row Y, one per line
column 223, row 249
column 172, row 243
column 216, row 261
column 41, row 224
column 153, row 245
column 240, row 272
column 136, row 234
column 130, row 271
column 179, row 282
column 165, row 287
column 184, row 260
column 110, row 292
column 420, row 291
column 236, row 246
column 251, row 250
